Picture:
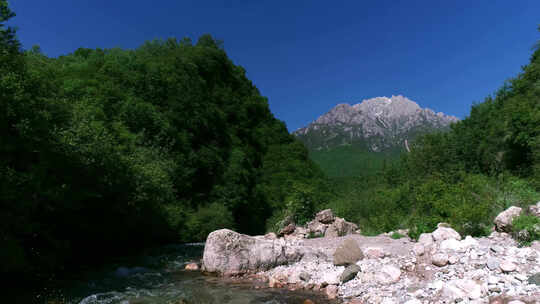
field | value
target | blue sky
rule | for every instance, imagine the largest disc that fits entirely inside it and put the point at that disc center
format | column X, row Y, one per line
column 307, row 56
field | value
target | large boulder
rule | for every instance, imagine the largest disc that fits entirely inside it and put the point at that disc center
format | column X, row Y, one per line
column 230, row 253
column 503, row 221
column 325, row 216
column 348, row 253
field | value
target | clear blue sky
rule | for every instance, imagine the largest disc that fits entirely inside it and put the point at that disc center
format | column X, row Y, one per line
column 307, row 56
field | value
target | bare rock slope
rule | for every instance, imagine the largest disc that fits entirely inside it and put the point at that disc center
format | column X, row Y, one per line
column 377, row 124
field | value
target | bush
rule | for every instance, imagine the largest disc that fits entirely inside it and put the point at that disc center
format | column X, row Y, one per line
column 207, row 219
column 397, row 236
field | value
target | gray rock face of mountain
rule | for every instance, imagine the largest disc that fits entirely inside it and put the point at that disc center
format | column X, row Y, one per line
column 378, row 124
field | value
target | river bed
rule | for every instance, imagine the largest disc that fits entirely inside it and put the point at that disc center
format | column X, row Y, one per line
column 158, row 277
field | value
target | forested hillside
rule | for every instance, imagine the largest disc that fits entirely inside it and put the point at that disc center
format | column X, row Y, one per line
column 485, row 163
column 108, row 151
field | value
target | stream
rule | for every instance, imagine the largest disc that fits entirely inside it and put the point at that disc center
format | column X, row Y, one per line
column 159, row 277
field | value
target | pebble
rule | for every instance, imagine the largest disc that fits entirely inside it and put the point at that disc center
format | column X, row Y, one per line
column 439, row 259
column 507, row 266
column 492, row 264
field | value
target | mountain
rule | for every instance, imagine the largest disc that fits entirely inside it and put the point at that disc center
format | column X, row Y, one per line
column 379, row 124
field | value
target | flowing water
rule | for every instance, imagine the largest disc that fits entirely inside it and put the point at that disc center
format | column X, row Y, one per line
column 158, row 277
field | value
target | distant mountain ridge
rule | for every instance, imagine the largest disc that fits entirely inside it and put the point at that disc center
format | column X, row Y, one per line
column 378, row 124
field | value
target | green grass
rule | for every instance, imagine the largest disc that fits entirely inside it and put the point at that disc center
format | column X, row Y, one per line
column 397, row 236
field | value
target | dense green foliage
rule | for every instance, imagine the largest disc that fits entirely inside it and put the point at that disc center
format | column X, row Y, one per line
column 352, row 161
column 107, row 151
column 484, row 164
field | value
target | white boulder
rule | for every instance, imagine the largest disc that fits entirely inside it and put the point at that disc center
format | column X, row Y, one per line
column 503, row 221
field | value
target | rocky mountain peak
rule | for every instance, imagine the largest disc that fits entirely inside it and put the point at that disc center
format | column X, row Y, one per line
column 378, row 123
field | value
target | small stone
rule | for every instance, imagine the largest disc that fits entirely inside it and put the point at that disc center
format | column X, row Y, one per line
column 325, row 216
column 453, row 260
column 496, row 249
column 493, row 280
column 425, row 239
column 451, row 244
column 287, row 229
column 494, row 288
column 419, row 249
column 304, row 276
column 462, row 289
column 520, row 277
column 349, row 273
column 437, row 285
column 507, row 266
column 388, row 275
column 492, row 264
column 374, row 253
column 192, row 267
column 444, row 233
column 439, row 259
column 331, row 291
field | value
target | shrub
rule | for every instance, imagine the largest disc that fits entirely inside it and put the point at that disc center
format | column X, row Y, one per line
column 397, row 235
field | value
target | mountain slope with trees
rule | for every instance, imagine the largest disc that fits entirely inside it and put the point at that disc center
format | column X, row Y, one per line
column 361, row 139
column 104, row 152
column 484, row 164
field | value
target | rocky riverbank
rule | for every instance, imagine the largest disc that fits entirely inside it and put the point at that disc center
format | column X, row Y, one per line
column 441, row 267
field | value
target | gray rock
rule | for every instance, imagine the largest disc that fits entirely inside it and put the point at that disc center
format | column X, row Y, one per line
column 331, row 232
column 535, row 209
column 289, row 229
column 463, row 289
column 374, row 253
column 325, row 216
column 523, row 235
column 388, row 274
column 492, row 264
column 534, row 279
column 497, row 249
column 348, row 253
column 425, row 239
column 331, row 291
column 503, row 221
column 304, row 276
column 419, row 249
column 316, row 228
column 445, row 233
column 340, row 227
column 349, row 273
column 507, row 266
column 230, row 253
column 439, row 259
